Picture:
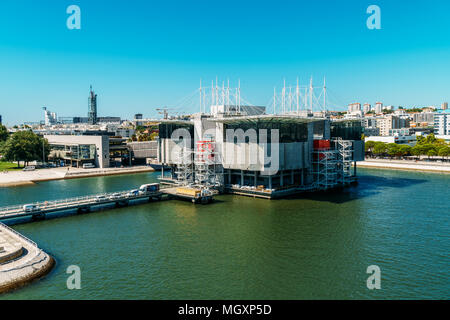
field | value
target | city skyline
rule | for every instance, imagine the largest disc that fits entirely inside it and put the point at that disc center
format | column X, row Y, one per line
column 136, row 57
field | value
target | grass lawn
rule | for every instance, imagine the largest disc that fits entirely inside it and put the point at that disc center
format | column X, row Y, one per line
column 8, row 166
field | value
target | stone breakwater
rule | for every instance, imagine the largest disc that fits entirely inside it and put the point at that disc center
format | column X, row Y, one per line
column 21, row 260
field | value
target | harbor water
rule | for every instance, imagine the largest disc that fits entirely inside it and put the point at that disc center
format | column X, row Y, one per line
column 315, row 246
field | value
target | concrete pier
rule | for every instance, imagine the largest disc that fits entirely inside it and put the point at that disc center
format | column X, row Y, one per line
column 21, row 260
column 423, row 166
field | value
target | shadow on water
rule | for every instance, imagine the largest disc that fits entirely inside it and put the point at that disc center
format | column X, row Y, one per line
column 367, row 186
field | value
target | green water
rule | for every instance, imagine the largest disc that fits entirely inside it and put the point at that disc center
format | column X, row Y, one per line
column 315, row 246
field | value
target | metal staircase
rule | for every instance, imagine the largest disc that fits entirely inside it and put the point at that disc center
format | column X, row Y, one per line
column 345, row 157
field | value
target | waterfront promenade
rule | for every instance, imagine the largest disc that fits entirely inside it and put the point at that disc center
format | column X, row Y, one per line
column 406, row 165
column 17, row 178
column 21, row 260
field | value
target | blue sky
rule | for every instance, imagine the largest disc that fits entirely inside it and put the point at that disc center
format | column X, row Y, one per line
column 140, row 55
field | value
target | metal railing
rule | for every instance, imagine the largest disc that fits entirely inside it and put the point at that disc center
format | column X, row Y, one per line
column 53, row 204
column 19, row 234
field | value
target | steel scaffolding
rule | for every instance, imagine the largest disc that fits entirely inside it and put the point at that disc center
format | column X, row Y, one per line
column 208, row 164
column 325, row 165
column 184, row 170
column 345, row 157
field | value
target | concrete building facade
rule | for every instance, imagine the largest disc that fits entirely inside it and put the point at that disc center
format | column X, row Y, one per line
column 378, row 107
column 367, row 107
column 424, row 117
column 354, row 107
column 442, row 122
column 389, row 122
column 80, row 149
column 271, row 152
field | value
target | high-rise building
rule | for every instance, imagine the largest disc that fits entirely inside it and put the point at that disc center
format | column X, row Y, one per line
column 50, row 118
column 92, row 113
column 378, row 107
column 367, row 107
column 445, row 106
column 354, row 107
column 389, row 122
column 442, row 122
column 138, row 116
column 423, row 117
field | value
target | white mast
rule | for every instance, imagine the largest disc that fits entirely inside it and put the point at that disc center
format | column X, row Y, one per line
column 228, row 91
column 217, row 91
column 283, row 97
column 212, row 93
column 274, row 100
column 289, row 109
column 236, row 97
column 239, row 96
column 201, row 111
column 311, row 94
column 223, row 92
column 305, row 99
column 324, row 94
column 298, row 97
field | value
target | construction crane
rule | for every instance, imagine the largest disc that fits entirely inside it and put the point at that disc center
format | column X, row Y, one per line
column 164, row 111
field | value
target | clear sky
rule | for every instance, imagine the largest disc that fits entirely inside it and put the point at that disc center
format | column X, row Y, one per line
column 140, row 55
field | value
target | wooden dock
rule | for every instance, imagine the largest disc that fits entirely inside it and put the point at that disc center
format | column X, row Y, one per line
column 172, row 193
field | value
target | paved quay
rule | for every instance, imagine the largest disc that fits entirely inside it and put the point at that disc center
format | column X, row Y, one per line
column 21, row 260
column 18, row 178
column 406, row 165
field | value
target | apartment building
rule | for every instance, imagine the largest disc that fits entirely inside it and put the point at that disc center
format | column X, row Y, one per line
column 442, row 122
column 389, row 122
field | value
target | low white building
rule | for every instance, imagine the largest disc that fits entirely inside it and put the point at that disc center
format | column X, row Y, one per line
column 80, row 149
column 393, row 139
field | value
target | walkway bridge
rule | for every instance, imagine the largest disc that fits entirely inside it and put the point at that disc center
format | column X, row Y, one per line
column 38, row 210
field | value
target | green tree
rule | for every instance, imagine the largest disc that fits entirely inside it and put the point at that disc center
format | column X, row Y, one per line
column 444, row 151
column 392, row 149
column 420, row 139
column 431, row 138
column 154, row 135
column 415, row 151
column 140, row 128
column 379, row 148
column 431, row 153
column 25, row 146
column 404, row 150
column 369, row 145
column 3, row 133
